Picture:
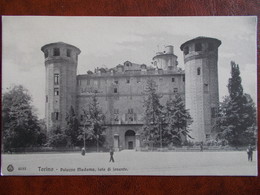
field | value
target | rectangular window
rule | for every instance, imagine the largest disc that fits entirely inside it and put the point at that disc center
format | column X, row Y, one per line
column 56, row 91
column 198, row 47
column 115, row 90
column 183, row 78
column 46, row 99
column 213, row 112
column 68, row 52
column 127, row 80
column 56, row 79
column 206, row 88
column 56, row 52
column 198, row 71
column 56, row 116
column 116, row 81
column 175, row 90
column 173, row 79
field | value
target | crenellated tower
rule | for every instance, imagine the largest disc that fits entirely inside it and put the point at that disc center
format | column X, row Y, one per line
column 61, row 61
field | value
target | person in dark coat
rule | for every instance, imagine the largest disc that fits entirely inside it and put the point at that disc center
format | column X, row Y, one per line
column 83, row 151
column 201, row 146
column 250, row 153
column 111, row 155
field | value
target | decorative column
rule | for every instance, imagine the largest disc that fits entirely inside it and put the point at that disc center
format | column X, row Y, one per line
column 137, row 142
column 116, row 142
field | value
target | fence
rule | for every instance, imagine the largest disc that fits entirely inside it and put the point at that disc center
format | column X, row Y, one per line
column 103, row 149
column 194, row 148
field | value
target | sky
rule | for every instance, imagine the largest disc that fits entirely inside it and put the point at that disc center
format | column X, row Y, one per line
column 109, row 41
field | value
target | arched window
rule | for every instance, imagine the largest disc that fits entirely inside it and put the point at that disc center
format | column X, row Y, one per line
column 198, row 71
column 130, row 133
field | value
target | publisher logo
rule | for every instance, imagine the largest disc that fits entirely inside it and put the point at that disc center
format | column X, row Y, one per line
column 10, row 168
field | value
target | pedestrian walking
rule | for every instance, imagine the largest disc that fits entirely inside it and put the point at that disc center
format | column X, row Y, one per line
column 250, row 153
column 201, row 146
column 111, row 155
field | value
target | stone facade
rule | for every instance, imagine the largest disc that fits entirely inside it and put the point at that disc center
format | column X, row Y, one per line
column 61, row 68
column 201, row 94
column 121, row 89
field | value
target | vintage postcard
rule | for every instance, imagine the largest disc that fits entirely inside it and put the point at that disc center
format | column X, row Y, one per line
column 129, row 96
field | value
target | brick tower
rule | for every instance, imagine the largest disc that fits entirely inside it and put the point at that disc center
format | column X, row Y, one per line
column 201, row 85
column 61, row 61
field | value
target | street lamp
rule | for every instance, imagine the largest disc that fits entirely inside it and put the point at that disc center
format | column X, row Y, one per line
column 97, row 143
column 83, row 150
column 85, row 124
column 84, row 138
column 160, row 129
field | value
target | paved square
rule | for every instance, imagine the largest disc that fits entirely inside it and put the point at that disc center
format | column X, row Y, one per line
column 130, row 163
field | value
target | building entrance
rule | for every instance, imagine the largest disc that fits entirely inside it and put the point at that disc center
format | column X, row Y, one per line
column 130, row 145
column 130, row 139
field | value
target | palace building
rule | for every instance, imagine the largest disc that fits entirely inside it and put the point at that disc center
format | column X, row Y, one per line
column 121, row 89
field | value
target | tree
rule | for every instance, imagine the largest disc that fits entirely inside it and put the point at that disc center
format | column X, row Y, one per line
column 20, row 123
column 42, row 137
column 94, row 121
column 57, row 138
column 153, row 116
column 178, row 120
column 237, row 116
column 72, row 129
